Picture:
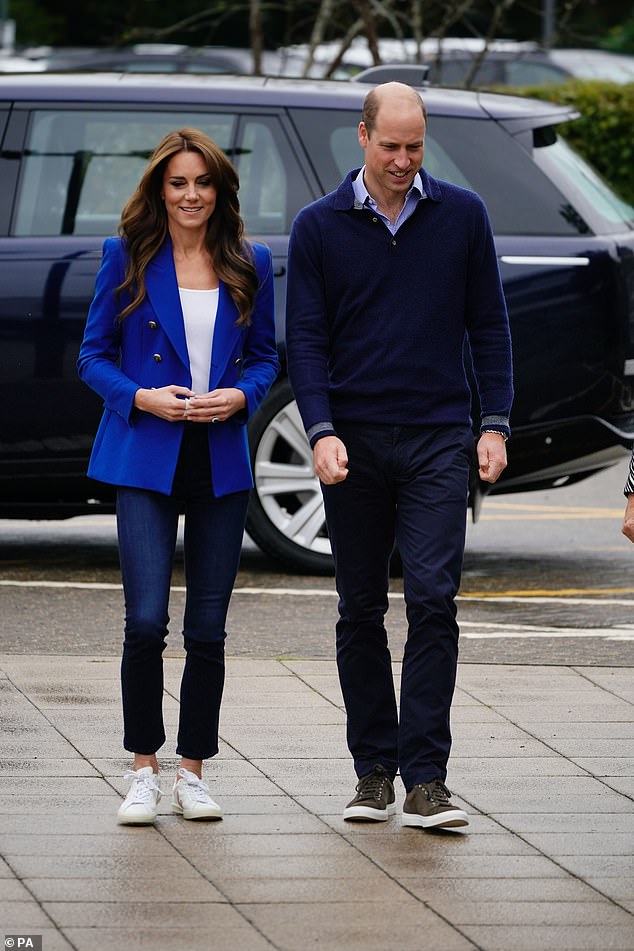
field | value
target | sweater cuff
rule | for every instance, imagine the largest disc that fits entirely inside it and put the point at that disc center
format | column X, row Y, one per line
column 318, row 430
column 496, row 424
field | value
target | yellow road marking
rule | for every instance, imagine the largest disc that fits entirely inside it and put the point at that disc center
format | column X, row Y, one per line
column 552, row 516
column 544, row 592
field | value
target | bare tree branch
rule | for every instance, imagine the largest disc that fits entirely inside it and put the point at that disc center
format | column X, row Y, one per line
column 344, row 46
column 324, row 15
column 255, row 35
column 364, row 9
column 498, row 13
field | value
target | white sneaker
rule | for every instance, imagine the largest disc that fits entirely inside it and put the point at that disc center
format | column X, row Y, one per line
column 141, row 804
column 191, row 799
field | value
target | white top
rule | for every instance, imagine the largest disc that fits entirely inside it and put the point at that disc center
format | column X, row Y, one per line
column 199, row 312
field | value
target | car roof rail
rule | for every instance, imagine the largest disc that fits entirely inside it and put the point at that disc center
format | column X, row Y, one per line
column 414, row 74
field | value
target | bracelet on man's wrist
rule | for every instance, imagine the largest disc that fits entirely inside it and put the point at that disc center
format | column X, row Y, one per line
column 496, row 432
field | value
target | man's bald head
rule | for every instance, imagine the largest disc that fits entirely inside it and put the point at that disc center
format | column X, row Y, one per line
column 386, row 95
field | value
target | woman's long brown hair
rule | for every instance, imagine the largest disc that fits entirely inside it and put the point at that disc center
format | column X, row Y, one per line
column 144, row 223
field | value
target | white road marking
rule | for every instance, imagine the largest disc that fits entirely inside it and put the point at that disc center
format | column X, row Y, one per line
column 469, row 629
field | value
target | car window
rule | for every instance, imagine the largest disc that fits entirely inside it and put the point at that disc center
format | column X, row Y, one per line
column 520, row 199
column 523, row 72
column 606, row 212
column 272, row 184
column 80, row 166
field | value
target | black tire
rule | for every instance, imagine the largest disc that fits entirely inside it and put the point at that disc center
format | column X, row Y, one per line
column 286, row 521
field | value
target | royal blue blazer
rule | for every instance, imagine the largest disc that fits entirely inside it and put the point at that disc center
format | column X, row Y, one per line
column 148, row 349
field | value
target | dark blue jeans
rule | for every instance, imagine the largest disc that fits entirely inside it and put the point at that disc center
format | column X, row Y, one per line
column 407, row 485
column 147, row 524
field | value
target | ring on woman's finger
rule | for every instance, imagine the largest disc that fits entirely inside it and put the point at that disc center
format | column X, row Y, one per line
column 215, row 419
column 187, row 403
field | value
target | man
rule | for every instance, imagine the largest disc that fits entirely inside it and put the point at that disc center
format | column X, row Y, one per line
column 388, row 276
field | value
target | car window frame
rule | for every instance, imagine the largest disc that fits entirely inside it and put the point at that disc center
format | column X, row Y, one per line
column 21, row 116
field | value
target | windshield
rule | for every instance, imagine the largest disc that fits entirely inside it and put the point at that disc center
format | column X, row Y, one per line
column 587, row 192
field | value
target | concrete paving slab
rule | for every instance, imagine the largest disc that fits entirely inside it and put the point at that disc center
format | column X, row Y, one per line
column 562, row 937
column 242, row 937
column 324, row 713
column 619, row 889
column 611, row 730
column 621, row 784
column 584, row 746
column 342, row 865
column 476, row 889
column 603, row 822
column 425, row 865
column 524, row 714
column 613, row 766
column 547, row 844
column 306, row 845
column 315, row 890
column 351, row 926
column 540, row 802
column 13, row 890
column 240, row 824
column 491, row 768
column 583, row 843
column 133, row 867
column 531, row 912
column 597, row 866
column 439, row 842
column 121, row 846
column 47, row 767
column 124, row 889
column 618, row 682
column 24, row 916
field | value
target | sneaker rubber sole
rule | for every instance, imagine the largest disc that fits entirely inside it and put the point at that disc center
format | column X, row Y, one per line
column 126, row 820
column 368, row 814
column 210, row 813
column 451, row 819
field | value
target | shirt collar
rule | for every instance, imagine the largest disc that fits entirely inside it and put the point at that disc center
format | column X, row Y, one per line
column 363, row 198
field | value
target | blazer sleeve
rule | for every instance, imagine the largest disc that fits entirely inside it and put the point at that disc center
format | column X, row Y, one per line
column 260, row 363
column 99, row 354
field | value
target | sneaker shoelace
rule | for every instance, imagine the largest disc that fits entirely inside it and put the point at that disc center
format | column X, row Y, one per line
column 372, row 785
column 437, row 794
column 198, row 789
column 142, row 786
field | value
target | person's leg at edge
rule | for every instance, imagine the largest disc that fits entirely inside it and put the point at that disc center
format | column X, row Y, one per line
column 147, row 524
column 360, row 517
column 214, row 529
column 213, row 539
column 432, row 511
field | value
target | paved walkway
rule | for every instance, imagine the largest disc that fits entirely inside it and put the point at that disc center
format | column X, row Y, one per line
column 542, row 761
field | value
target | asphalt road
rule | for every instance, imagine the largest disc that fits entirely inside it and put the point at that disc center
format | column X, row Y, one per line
column 548, row 578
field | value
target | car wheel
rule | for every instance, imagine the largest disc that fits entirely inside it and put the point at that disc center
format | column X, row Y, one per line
column 286, row 514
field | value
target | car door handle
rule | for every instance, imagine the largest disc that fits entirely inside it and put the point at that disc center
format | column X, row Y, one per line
column 544, row 260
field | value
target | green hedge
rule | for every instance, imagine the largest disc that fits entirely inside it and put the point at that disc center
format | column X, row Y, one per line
column 604, row 134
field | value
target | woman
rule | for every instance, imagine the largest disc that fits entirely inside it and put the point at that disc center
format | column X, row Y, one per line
column 180, row 343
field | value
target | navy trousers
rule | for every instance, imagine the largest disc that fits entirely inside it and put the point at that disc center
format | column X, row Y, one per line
column 409, row 485
column 147, row 524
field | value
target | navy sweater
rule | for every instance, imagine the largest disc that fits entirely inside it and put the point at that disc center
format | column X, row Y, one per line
column 376, row 324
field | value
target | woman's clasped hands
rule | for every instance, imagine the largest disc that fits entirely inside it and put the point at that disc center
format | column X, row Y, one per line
column 175, row 403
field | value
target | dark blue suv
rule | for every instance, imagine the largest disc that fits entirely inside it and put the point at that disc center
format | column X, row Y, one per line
column 72, row 150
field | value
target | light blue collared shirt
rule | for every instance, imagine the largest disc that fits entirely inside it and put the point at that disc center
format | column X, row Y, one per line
column 363, row 199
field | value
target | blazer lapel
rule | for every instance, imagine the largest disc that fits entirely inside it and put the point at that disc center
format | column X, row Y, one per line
column 225, row 335
column 162, row 290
